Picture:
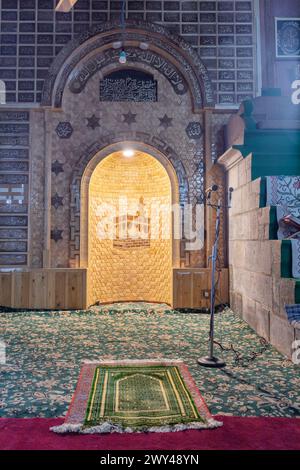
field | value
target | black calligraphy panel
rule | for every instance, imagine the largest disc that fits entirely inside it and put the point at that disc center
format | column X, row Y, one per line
column 128, row 85
column 288, row 37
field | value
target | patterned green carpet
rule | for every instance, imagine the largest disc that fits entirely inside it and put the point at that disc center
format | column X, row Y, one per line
column 44, row 351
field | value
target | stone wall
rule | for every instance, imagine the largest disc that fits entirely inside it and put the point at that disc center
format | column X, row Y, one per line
column 74, row 130
column 84, row 121
column 222, row 33
column 257, row 290
column 59, row 139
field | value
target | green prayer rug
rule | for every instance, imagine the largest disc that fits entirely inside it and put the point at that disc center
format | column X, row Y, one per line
column 136, row 396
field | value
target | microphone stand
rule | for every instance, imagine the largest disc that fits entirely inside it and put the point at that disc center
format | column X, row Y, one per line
column 211, row 360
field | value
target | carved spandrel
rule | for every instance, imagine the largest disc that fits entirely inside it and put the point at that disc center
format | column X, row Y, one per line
column 80, row 78
column 189, row 70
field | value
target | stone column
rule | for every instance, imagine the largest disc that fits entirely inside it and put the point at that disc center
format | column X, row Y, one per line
column 36, row 191
column 47, row 189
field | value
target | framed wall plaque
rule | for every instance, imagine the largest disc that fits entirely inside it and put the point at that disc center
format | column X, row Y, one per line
column 128, row 85
column 287, row 38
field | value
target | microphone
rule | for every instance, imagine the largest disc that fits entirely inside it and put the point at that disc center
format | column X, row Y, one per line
column 211, row 189
column 230, row 191
column 214, row 187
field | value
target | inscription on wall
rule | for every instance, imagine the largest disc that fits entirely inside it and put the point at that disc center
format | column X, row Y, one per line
column 14, row 167
column 287, row 37
column 33, row 34
column 13, row 198
column 166, row 68
column 128, row 85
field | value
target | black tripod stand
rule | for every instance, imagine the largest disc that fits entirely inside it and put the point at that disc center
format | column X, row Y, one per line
column 211, row 360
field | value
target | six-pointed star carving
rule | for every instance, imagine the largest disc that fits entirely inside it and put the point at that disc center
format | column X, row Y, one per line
column 93, row 122
column 129, row 118
column 57, row 201
column 56, row 235
column 57, row 167
column 166, row 121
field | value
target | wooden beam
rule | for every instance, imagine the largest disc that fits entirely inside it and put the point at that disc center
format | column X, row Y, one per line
column 65, row 6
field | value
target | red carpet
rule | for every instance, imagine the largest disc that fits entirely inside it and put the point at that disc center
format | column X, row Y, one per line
column 236, row 434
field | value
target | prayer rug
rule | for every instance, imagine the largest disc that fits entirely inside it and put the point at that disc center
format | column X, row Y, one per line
column 136, row 396
column 284, row 193
column 293, row 314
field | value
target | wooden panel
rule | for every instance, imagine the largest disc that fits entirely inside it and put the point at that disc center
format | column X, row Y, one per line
column 66, row 288
column 5, row 289
column 182, row 289
column 191, row 287
column 75, row 290
column 60, row 290
column 201, row 288
column 20, row 289
column 44, row 289
column 39, row 297
column 223, row 290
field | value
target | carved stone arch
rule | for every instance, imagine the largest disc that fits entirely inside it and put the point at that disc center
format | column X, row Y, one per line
column 167, row 53
column 85, row 166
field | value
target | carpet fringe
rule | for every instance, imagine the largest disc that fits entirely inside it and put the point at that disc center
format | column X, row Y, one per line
column 110, row 428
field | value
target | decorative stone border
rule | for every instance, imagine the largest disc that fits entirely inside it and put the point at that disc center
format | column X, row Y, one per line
column 106, row 145
column 134, row 55
column 167, row 46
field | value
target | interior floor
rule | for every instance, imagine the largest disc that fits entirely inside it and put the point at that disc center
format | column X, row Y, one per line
column 45, row 350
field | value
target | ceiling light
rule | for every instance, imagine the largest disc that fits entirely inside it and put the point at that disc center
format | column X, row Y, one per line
column 122, row 57
column 65, row 6
column 128, row 153
column 117, row 44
